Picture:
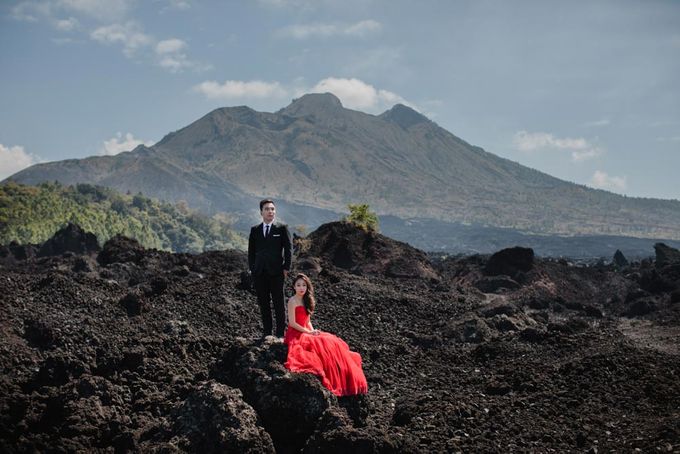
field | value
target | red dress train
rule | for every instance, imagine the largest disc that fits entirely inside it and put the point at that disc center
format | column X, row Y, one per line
column 326, row 356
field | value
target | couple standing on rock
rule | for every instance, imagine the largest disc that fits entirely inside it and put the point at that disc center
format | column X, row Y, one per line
column 270, row 248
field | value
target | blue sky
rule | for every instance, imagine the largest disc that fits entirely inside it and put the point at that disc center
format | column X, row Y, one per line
column 586, row 91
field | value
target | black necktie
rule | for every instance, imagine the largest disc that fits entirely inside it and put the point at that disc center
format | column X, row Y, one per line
column 266, row 231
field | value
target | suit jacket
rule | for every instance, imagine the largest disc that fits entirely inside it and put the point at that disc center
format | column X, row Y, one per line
column 270, row 255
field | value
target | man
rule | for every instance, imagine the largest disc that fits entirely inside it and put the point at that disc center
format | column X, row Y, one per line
column 270, row 248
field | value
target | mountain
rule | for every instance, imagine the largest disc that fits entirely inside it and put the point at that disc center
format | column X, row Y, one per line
column 315, row 157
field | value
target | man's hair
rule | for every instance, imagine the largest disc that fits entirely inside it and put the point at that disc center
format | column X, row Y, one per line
column 266, row 201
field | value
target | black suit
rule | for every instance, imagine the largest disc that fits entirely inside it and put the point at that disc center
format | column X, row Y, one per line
column 267, row 259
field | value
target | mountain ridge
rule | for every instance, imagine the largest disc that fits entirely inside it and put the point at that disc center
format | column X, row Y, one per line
column 315, row 153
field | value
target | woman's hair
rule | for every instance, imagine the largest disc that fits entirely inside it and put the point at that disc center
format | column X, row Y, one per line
column 308, row 298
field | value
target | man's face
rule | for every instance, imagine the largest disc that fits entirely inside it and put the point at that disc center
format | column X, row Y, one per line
column 268, row 212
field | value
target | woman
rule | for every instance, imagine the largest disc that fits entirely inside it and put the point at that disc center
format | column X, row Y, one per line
column 317, row 352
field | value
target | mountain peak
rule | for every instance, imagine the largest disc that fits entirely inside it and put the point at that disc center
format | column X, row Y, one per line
column 312, row 104
column 404, row 116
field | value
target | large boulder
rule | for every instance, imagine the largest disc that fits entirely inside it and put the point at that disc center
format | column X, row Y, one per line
column 346, row 246
column 215, row 419
column 121, row 249
column 22, row 251
column 511, row 262
column 666, row 255
column 492, row 284
column 667, row 267
column 288, row 404
column 619, row 259
column 69, row 239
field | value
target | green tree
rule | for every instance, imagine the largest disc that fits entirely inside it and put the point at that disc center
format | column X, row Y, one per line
column 140, row 202
column 32, row 214
column 361, row 216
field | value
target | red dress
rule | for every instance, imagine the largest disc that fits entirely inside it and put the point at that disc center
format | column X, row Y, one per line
column 326, row 356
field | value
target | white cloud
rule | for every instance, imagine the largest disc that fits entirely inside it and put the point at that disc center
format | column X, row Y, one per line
column 14, row 159
column 357, row 94
column 236, row 89
column 179, row 5
column 309, row 30
column 175, row 63
column 171, row 55
column 353, row 93
column 602, row 180
column 103, row 10
column 30, row 11
column 129, row 35
column 66, row 25
column 581, row 149
column 118, row 144
column 363, row 28
column 586, row 154
column 169, row 46
column 359, row 29
column 169, row 52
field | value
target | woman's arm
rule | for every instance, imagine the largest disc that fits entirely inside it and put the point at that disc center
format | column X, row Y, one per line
column 291, row 318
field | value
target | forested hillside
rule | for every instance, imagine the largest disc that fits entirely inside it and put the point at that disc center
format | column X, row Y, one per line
column 32, row 214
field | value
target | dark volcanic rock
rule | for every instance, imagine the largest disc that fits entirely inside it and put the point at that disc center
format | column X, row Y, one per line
column 39, row 334
column 642, row 307
column 20, row 251
column 289, row 404
column 619, row 259
column 491, row 284
column 346, row 246
column 246, row 281
column 156, row 286
column 69, row 239
column 498, row 309
column 335, row 434
column 215, row 419
column 666, row 255
column 450, row 369
column 121, row 249
column 309, row 265
column 133, row 304
column 351, row 440
column 511, row 261
column 657, row 281
column 473, row 330
column 675, row 296
column 532, row 335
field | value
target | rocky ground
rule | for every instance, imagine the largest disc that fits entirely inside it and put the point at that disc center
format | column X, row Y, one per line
column 125, row 349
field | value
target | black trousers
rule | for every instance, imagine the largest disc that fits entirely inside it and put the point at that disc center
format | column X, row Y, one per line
column 269, row 291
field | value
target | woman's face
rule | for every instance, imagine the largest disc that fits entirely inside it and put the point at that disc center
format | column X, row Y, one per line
column 300, row 287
